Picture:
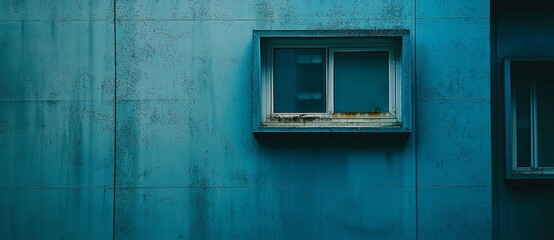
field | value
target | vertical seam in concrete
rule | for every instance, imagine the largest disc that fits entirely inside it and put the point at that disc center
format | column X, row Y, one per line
column 414, row 117
column 115, row 118
column 494, row 121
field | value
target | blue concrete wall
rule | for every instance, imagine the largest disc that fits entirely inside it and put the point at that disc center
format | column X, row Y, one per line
column 174, row 95
column 453, row 119
column 56, row 121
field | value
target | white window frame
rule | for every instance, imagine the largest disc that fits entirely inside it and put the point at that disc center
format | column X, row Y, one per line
column 512, row 169
column 270, row 100
column 390, row 119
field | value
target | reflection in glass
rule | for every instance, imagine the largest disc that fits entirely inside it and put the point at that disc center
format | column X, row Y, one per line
column 299, row 80
column 545, row 122
column 523, row 122
column 361, row 82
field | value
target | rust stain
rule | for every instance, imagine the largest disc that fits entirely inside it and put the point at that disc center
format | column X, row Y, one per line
column 360, row 115
column 297, row 118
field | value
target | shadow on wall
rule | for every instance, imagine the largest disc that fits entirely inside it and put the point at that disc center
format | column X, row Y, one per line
column 314, row 141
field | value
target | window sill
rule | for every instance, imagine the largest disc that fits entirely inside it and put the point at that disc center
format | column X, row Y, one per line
column 310, row 124
column 333, row 130
column 544, row 173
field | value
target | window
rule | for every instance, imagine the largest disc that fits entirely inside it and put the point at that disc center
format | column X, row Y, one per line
column 323, row 82
column 530, row 117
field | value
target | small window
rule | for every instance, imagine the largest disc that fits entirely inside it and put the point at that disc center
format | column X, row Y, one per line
column 530, row 118
column 330, row 83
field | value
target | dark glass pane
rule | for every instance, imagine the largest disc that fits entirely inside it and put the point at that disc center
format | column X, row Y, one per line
column 545, row 122
column 361, row 82
column 523, row 122
column 299, row 80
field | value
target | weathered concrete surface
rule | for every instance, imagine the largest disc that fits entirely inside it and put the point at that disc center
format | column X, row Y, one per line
column 57, row 121
column 186, row 153
column 453, row 119
column 187, row 164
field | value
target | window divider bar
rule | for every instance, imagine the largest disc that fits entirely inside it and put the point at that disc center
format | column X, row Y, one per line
column 533, row 120
column 330, row 78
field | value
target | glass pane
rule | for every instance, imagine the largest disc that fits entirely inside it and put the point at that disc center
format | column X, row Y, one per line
column 523, row 122
column 299, row 80
column 361, row 82
column 545, row 122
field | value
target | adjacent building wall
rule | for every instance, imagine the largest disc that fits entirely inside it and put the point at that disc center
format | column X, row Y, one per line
column 164, row 98
column 525, row 209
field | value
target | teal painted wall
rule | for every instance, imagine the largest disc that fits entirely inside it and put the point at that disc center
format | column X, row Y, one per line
column 160, row 106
